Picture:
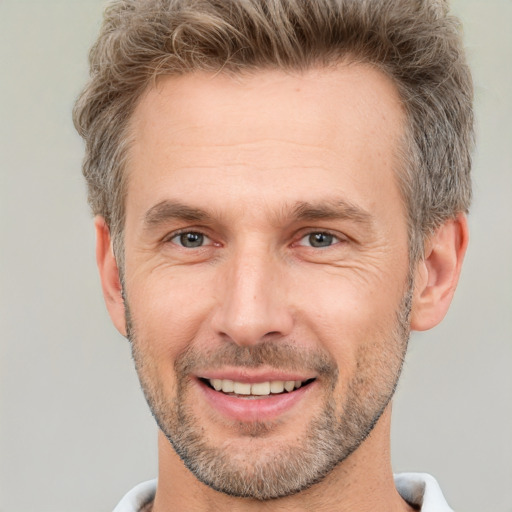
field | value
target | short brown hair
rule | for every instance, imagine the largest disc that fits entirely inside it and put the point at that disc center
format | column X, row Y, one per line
column 415, row 42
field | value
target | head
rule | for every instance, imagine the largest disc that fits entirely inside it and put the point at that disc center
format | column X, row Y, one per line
column 414, row 42
column 270, row 175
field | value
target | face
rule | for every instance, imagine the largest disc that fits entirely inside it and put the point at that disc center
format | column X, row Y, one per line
column 266, row 270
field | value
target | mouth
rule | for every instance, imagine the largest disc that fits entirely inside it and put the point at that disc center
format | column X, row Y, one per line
column 255, row 390
column 256, row 396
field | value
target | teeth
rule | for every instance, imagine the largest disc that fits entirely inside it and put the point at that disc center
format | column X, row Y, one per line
column 258, row 389
column 228, row 386
column 289, row 385
column 261, row 388
column 277, row 386
column 242, row 388
column 217, row 384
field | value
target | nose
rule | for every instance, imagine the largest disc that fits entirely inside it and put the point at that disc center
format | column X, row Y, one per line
column 253, row 304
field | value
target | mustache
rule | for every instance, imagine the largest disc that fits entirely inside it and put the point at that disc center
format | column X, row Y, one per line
column 272, row 354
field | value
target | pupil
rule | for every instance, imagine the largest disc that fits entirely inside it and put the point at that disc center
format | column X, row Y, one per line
column 320, row 240
column 191, row 239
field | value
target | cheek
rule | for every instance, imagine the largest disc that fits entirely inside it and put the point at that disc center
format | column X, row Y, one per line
column 348, row 314
column 168, row 311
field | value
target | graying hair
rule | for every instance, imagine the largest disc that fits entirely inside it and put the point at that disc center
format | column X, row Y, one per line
column 417, row 43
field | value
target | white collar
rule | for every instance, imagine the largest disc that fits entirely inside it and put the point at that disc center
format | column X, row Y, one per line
column 418, row 489
column 421, row 490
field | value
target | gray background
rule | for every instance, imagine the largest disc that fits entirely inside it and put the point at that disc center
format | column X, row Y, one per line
column 74, row 431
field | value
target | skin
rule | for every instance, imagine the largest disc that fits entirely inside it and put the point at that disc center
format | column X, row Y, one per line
column 246, row 152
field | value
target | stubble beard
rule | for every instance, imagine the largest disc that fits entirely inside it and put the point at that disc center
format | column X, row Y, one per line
column 272, row 471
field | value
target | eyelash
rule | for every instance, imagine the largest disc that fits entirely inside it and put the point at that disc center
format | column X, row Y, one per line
column 181, row 233
column 335, row 239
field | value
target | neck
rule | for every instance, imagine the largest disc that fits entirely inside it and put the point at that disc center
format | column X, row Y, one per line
column 363, row 482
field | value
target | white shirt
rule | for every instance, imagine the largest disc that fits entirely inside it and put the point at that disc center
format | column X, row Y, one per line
column 418, row 489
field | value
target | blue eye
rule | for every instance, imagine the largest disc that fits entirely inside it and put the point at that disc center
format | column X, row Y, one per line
column 319, row 240
column 190, row 239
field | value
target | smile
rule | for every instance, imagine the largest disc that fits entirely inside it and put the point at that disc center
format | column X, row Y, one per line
column 256, row 389
column 248, row 397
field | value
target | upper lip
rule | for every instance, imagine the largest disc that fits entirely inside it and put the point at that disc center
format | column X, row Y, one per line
column 253, row 376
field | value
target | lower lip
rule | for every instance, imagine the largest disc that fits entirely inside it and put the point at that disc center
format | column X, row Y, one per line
column 264, row 408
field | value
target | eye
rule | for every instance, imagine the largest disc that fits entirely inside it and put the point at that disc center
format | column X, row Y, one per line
column 319, row 239
column 190, row 239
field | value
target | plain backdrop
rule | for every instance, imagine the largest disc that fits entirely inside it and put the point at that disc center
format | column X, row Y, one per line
column 75, row 433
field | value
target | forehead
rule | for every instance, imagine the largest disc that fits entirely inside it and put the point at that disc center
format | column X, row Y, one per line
column 297, row 134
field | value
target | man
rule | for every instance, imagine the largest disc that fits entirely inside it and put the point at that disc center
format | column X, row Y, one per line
column 280, row 189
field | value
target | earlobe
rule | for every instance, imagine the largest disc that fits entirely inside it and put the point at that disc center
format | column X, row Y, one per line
column 438, row 272
column 109, row 275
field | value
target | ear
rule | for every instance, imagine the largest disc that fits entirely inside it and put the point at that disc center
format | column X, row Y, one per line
column 109, row 274
column 438, row 272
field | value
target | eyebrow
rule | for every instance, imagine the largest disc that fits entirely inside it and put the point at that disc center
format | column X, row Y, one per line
column 169, row 210
column 332, row 209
